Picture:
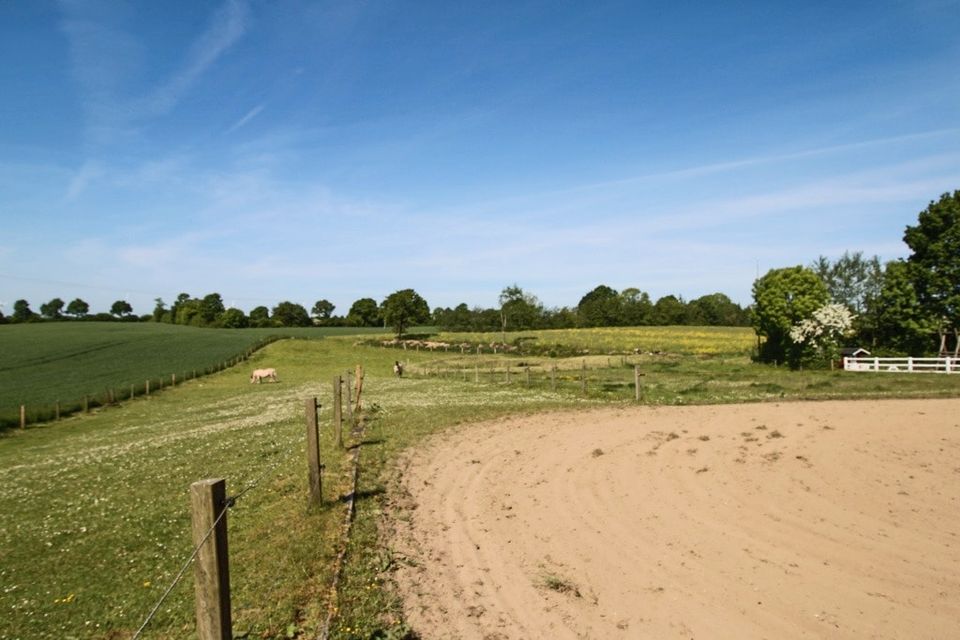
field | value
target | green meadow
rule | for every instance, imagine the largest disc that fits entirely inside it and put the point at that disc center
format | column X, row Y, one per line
column 94, row 519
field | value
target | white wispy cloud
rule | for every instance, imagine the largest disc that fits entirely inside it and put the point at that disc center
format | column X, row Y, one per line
column 250, row 115
column 227, row 27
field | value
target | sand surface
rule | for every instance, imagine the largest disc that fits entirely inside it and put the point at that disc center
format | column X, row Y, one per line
column 791, row 520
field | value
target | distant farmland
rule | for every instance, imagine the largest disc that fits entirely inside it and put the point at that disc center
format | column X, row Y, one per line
column 63, row 361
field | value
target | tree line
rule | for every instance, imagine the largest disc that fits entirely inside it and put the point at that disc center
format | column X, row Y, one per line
column 804, row 315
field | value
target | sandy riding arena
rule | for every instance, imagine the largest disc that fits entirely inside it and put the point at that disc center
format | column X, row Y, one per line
column 806, row 520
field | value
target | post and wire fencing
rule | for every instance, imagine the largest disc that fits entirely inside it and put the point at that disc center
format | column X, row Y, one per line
column 608, row 377
column 210, row 503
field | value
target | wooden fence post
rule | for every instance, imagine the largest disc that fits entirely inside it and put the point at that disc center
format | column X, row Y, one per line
column 208, row 500
column 337, row 411
column 636, row 382
column 507, row 374
column 56, row 409
column 359, row 388
column 583, row 377
column 349, row 398
column 23, row 417
column 313, row 453
column 173, row 379
column 553, row 379
column 476, row 373
column 148, row 387
column 526, row 371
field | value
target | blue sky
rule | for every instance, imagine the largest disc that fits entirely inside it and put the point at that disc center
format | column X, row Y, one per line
column 274, row 151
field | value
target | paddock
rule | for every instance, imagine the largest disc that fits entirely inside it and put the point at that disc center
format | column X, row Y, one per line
column 787, row 520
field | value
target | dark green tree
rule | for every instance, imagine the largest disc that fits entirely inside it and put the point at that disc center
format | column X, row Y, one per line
column 782, row 298
column 404, row 308
column 715, row 310
column 670, row 310
column 234, row 319
column 935, row 264
column 121, row 308
column 211, row 308
column 78, row 308
column 159, row 310
column 519, row 310
column 260, row 317
column 290, row 314
column 902, row 322
column 365, row 312
column 22, row 311
column 637, row 307
column 600, row 307
column 323, row 309
column 52, row 309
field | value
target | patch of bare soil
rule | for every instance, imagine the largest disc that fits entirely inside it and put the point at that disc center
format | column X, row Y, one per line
column 806, row 520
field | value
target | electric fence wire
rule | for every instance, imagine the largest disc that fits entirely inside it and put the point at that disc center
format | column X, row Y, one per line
column 228, row 504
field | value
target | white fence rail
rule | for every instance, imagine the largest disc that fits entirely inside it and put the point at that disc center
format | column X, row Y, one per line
column 903, row 365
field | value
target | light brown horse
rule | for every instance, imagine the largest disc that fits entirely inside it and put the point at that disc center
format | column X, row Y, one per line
column 260, row 374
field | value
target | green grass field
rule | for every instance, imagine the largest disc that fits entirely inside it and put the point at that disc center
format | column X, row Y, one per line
column 44, row 363
column 94, row 520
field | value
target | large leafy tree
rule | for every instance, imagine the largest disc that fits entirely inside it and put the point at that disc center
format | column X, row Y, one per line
column 260, row 316
column 211, row 308
column 364, row 313
column 902, row 322
column 323, row 309
column 78, row 308
column 715, row 309
column 855, row 282
column 121, row 308
column 637, row 307
column 290, row 314
column 935, row 262
column 782, row 298
column 52, row 309
column 600, row 307
column 22, row 311
column 670, row 310
column 518, row 309
column 234, row 319
column 404, row 308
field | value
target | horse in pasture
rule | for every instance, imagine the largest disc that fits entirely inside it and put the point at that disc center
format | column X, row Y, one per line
column 259, row 374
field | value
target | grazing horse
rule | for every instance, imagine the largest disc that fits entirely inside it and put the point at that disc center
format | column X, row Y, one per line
column 398, row 369
column 260, row 374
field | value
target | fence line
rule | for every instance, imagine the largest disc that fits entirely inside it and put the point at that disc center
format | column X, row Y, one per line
column 901, row 365
column 43, row 412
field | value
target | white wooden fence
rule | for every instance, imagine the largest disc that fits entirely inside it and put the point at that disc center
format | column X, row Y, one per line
column 901, row 365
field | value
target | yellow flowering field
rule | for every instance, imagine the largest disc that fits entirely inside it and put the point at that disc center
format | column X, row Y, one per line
column 619, row 340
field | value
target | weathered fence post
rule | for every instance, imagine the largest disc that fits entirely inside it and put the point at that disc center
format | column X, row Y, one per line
column 337, row 411
column 131, row 391
column 476, row 373
column 313, row 453
column 147, row 387
column 208, row 501
column 553, row 378
column 349, row 398
column 173, row 379
column 636, row 382
column 23, row 416
column 359, row 389
column 506, row 376
column 583, row 377
column 526, row 372
column 111, row 397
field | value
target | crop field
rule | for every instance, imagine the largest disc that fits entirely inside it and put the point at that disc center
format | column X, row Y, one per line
column 63, row 361
column 94, row 519
column 673, row 340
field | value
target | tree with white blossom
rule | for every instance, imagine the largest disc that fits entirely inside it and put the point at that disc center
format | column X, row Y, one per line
column 822, row 332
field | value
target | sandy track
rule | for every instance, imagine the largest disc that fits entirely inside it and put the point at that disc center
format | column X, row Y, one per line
column 806, row 520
